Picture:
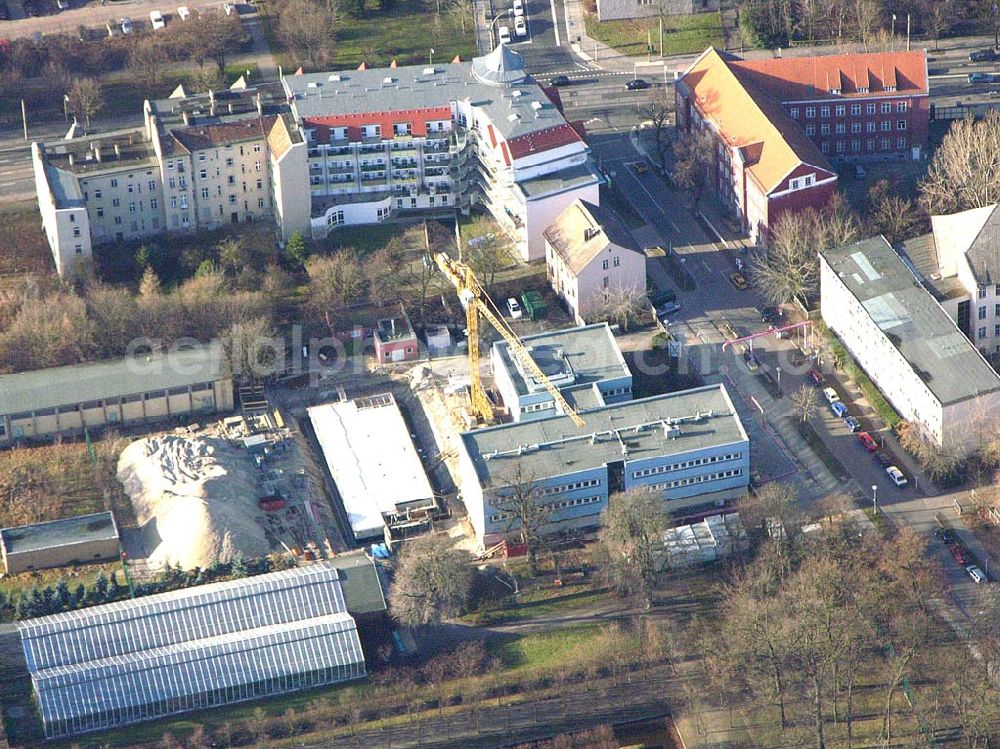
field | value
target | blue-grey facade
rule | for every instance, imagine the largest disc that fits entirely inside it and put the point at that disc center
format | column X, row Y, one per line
column 690, row 446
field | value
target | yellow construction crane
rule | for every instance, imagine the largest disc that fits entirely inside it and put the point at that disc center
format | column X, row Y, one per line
column 477, row 302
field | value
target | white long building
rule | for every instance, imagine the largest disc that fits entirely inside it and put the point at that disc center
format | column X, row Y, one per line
column 908, row 344
column 374, row 464
column 323, row 150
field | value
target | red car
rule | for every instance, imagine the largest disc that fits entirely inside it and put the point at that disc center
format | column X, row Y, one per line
column 866, row 440
column 959, row 553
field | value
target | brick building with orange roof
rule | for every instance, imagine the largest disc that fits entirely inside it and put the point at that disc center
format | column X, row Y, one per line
column 778, row 122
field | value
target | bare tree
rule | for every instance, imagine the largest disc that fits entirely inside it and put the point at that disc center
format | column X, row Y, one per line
column 660, row 113
column 520, row 500
column 893, row 216
column 214, row 37
column 487, row 255
column 85, row 98
column 694, row 167
column 308, row 27
column 335, row 281
column 146, row 60
column 788, row 270
column 939, row 17
column 623, row 305
column 250, row 348
column 804, row 403
column 964, row 172
column 464, row 12
column 632, row 538
column 431, row 581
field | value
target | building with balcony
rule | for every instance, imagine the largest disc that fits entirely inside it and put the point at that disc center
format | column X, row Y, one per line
column 314, row 152
column 909, row 345
column 689, row 446
column 392, row 141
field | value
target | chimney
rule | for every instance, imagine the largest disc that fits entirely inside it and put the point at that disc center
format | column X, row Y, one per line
column 590, row 232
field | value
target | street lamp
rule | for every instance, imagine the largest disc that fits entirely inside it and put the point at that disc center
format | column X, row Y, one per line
column 875, row 498
column 66, row 107
column 777, row 371
column 496, row 18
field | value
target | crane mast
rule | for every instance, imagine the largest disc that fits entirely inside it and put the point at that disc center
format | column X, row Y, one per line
column 474, row 299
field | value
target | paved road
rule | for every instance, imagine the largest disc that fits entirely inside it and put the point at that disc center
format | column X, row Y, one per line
column 94, row 15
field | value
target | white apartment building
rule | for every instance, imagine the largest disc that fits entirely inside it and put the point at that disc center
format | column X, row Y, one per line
column 318, row 151
column 418, row 138
column 907, row 343
column 590, row 255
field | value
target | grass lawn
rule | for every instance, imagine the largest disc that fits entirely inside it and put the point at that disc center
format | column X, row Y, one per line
column 530, row 607
column 406, row 33
column 682, row 35
column 545, row 651
column 367, row 239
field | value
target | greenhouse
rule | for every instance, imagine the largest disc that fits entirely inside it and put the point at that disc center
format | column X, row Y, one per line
column 191, row 649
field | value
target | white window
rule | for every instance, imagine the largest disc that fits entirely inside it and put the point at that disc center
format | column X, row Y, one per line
column 795, row 184
column 870, row 127
column 981, row 333
column 900, row 107
column 824, row 111
column 870, row 107
column 203, row 174
column 256, row 147
column 900, row 143
column 824, row 129
column 204, row 193
column 256, row 166
column 886, row 126
column 810, row 112
column 78, row 249
column 794, row 112
column 886, row 107
column 114, row 183
column 840, row 110
column 154, row 204
column 841, row 128
column 260, row 202
column 810, row 129
column 97, row 194
column 855, row 127
column 809, row 179
column 901, row 124
column 115, row 202
column 151, row 185
column 855, row 109
column 76, row 231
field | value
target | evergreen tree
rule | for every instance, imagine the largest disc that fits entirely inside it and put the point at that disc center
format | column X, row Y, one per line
column 100, row 592
column 64, row 599
column 238, row 567
column 295, row 251
column 115, row 588
column 79, row 595
column 48, row 600
column 22, row 607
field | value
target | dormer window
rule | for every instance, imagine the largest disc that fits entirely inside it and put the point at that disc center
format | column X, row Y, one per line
column 835, row 91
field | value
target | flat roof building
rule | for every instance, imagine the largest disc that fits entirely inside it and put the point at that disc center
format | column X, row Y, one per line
column 64, row 400
column 84, row 539
column 907, row 343
column 570, row 358
column 395, row 339
column 690, row 446
column 374, row 464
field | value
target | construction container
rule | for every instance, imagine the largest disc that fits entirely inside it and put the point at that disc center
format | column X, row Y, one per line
column 534, row 305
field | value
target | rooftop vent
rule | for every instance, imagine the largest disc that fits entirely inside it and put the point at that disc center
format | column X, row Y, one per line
column 429, row 71
column 536, row 105
column 387, row 80
column 671, row 431
column 516, row 92
column 334, row 77
column 513, row 117
column 313, row 84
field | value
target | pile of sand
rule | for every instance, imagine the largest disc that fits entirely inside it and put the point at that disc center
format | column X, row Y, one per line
column 195, row 498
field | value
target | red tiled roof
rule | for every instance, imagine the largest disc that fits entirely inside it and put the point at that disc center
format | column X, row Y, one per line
column 544, row 140
column 197, row 137
column 803, row 78
column 418, row 119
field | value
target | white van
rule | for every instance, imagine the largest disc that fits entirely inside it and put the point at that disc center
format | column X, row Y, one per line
column 503, row 33
column 183, row 13
column 156, row 18
column 831, row 395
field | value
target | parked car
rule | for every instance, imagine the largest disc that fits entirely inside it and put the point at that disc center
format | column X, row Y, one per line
column 126, row 24
column 852, row 424
column 560, row 80
column 518, row 6
column 183, row 13
column 896, row 476
column 636, row 84
column 944, row 535
column 883, row 459
column 979, row 77
column 839, row 409
column 503, row 33
column 959, row 554
column 156, row 18
column 520, row 27
column 831, row 395
column 739, row 281
column 976, row 574
column 661, row 297
column 867, row 441
column 667, row 308
column 514, row 308
column 983, row 55
column 815, row 377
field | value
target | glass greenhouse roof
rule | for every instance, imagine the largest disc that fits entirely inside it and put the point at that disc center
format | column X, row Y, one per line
column 211, row 645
